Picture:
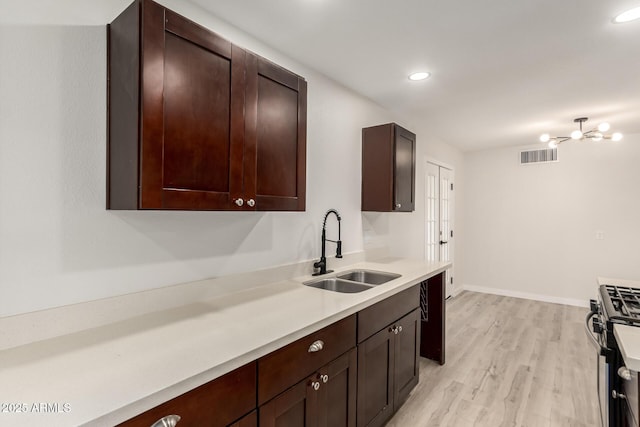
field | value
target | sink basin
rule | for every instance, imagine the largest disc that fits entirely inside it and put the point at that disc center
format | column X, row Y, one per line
column 368, row 276
column 337, row 285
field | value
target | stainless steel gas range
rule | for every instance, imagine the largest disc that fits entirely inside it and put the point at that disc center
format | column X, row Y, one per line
column 616, row 304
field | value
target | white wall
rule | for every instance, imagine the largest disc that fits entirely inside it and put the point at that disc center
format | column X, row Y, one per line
column 531, row 229
column 58, row 243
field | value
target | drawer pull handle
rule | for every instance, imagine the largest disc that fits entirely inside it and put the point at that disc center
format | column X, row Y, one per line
column 316, row 346
column 168, row 421
column 315, row 385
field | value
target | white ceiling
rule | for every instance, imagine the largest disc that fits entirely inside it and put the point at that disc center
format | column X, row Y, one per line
column 503, row 71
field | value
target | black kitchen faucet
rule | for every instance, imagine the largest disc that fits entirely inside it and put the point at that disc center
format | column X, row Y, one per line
column 322, row 264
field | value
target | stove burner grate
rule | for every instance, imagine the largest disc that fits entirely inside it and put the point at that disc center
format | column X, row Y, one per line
column 625, row 301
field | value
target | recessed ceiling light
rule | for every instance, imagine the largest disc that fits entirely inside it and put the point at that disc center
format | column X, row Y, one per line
column 419, row 76
column 629, row 15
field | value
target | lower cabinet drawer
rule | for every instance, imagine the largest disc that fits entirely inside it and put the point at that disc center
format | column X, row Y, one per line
column 285, row 367
column 218, row 403
column 376, row 317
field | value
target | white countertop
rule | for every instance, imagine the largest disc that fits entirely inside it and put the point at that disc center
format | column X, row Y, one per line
column 106, row 375
column 628, row 338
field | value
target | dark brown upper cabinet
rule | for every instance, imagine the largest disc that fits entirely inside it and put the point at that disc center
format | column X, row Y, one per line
column 388, row 169
column 197, row 123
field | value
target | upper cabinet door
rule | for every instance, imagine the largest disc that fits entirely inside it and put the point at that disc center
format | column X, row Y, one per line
column 275, row 142
column 192, row 114
column 197, row 123
column 404, row 170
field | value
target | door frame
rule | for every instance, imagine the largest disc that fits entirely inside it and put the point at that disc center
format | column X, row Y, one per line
column 441, row 164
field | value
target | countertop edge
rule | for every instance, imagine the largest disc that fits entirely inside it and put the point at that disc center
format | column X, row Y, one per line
column 625, row 336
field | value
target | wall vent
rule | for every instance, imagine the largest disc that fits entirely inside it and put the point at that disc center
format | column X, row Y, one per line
column 544, row 155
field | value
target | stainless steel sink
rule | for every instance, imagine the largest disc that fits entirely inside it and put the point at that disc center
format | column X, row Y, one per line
column 353, row 281
column 337, row 285
column 368, row 276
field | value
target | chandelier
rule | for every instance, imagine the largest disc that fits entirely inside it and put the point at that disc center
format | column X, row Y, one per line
column 597, row 134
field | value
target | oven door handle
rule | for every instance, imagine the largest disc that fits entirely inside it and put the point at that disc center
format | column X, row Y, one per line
column 592, row 338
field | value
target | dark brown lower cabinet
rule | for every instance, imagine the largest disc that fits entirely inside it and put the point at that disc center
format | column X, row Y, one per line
column 407, row 363
column 387, row 370
column 325, row 399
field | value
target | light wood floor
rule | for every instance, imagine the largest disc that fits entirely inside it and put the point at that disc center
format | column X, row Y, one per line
column 509, row 362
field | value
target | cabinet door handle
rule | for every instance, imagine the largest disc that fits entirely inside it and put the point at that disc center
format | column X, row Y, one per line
column 315, row 385
column 239, row 202
column 400, row 328
column 168, row 421
column 251, row 203
column 324, row 378
column 398, row 205
column 394, row 330
column 316, row 346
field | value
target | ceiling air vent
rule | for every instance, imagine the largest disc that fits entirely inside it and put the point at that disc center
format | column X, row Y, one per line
column 544, row 155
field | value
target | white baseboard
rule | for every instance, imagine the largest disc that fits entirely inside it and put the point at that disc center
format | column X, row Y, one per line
column 456, row 291
column 526, row 295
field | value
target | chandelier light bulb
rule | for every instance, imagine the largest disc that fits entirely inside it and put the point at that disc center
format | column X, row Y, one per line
column 581, row 134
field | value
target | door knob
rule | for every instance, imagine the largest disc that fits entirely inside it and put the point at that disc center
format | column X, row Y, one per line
column 251, row 203
column 239, row 202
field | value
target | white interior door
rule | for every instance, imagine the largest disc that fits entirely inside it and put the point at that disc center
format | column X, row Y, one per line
column 438, row 217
